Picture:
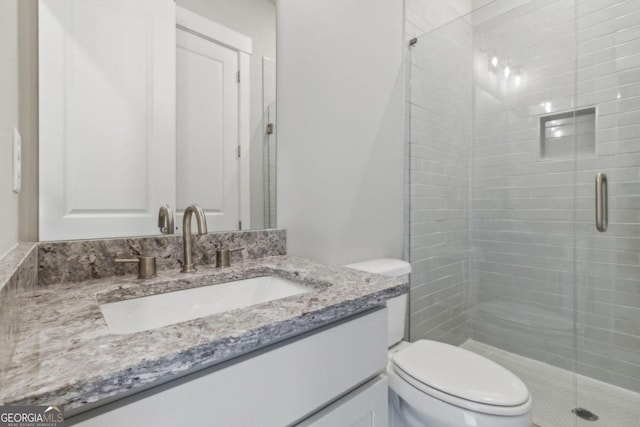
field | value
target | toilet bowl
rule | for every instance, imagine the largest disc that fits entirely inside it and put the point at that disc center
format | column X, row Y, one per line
column 440, row 385
column 433, row 384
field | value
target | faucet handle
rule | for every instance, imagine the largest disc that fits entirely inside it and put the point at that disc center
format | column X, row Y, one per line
column 223, row 257
column 146, row 265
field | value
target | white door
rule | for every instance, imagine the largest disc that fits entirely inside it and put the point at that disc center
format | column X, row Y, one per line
column 208, row 130
column 107, row 116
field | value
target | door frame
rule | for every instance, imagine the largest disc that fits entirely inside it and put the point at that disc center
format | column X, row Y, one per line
column 217, row 33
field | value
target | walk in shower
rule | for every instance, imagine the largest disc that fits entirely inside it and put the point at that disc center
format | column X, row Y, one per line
column 521, row 112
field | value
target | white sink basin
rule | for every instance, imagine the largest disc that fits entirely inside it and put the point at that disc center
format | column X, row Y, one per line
column 154, row 311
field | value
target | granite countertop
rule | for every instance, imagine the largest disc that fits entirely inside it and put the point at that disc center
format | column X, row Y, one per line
column 67, row 355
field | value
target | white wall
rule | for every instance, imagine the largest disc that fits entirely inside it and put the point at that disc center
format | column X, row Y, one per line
column 8, row 120
column 340, row 106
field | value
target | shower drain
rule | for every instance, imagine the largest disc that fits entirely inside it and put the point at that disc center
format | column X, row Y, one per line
column 585, row 414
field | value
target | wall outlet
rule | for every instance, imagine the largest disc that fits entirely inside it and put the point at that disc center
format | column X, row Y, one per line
column 17, row 161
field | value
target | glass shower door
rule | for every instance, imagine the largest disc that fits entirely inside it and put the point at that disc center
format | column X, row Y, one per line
column 515, row 109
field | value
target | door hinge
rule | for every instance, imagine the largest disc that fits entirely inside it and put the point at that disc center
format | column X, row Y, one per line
column 238, row 76
column 270, row 129
column 239, row 225
column 239, row 151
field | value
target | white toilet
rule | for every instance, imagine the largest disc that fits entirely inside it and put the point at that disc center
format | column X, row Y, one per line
column 432, row 384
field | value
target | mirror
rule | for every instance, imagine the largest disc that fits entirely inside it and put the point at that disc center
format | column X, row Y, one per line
column 224, row 153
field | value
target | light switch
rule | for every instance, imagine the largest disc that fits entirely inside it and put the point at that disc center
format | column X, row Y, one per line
column 17, row 161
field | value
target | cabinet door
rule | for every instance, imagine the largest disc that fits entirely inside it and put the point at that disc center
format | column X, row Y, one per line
column 367, row 406
column 107, row 116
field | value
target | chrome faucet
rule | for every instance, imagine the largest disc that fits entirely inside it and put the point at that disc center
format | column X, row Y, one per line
column 165, row 220
column 188, row 266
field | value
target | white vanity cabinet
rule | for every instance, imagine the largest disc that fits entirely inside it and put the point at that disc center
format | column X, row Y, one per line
column 328, row 377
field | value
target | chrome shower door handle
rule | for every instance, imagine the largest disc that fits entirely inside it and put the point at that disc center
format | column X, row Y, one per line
column 602, row 208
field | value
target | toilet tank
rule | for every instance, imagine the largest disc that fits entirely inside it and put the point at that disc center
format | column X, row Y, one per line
column 397, row 306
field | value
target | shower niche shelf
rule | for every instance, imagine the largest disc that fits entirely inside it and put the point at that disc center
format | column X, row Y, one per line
column 562, row 134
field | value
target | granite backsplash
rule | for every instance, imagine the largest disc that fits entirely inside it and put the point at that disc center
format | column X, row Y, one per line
column 80, row 260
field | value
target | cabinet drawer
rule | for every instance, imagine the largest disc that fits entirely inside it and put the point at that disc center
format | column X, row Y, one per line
column 274, row 388
column 367, row 406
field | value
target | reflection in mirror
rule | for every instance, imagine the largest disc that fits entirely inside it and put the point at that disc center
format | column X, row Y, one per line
column 176, row 113
column 220, row 118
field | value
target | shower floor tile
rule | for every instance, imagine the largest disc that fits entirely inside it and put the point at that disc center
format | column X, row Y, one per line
column 553, row 393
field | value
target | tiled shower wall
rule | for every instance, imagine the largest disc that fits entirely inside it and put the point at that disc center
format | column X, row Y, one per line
column 527, row 207
column 522, row 210
column 440, row 108
column 493, row 221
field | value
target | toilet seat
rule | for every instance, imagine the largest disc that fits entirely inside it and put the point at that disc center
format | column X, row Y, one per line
column 461, row 378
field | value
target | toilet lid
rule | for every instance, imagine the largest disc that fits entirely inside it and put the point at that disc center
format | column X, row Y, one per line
column 462, row 373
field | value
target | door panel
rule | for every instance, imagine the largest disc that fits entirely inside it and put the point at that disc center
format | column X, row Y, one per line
column 207, row 130
column 107, row 125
